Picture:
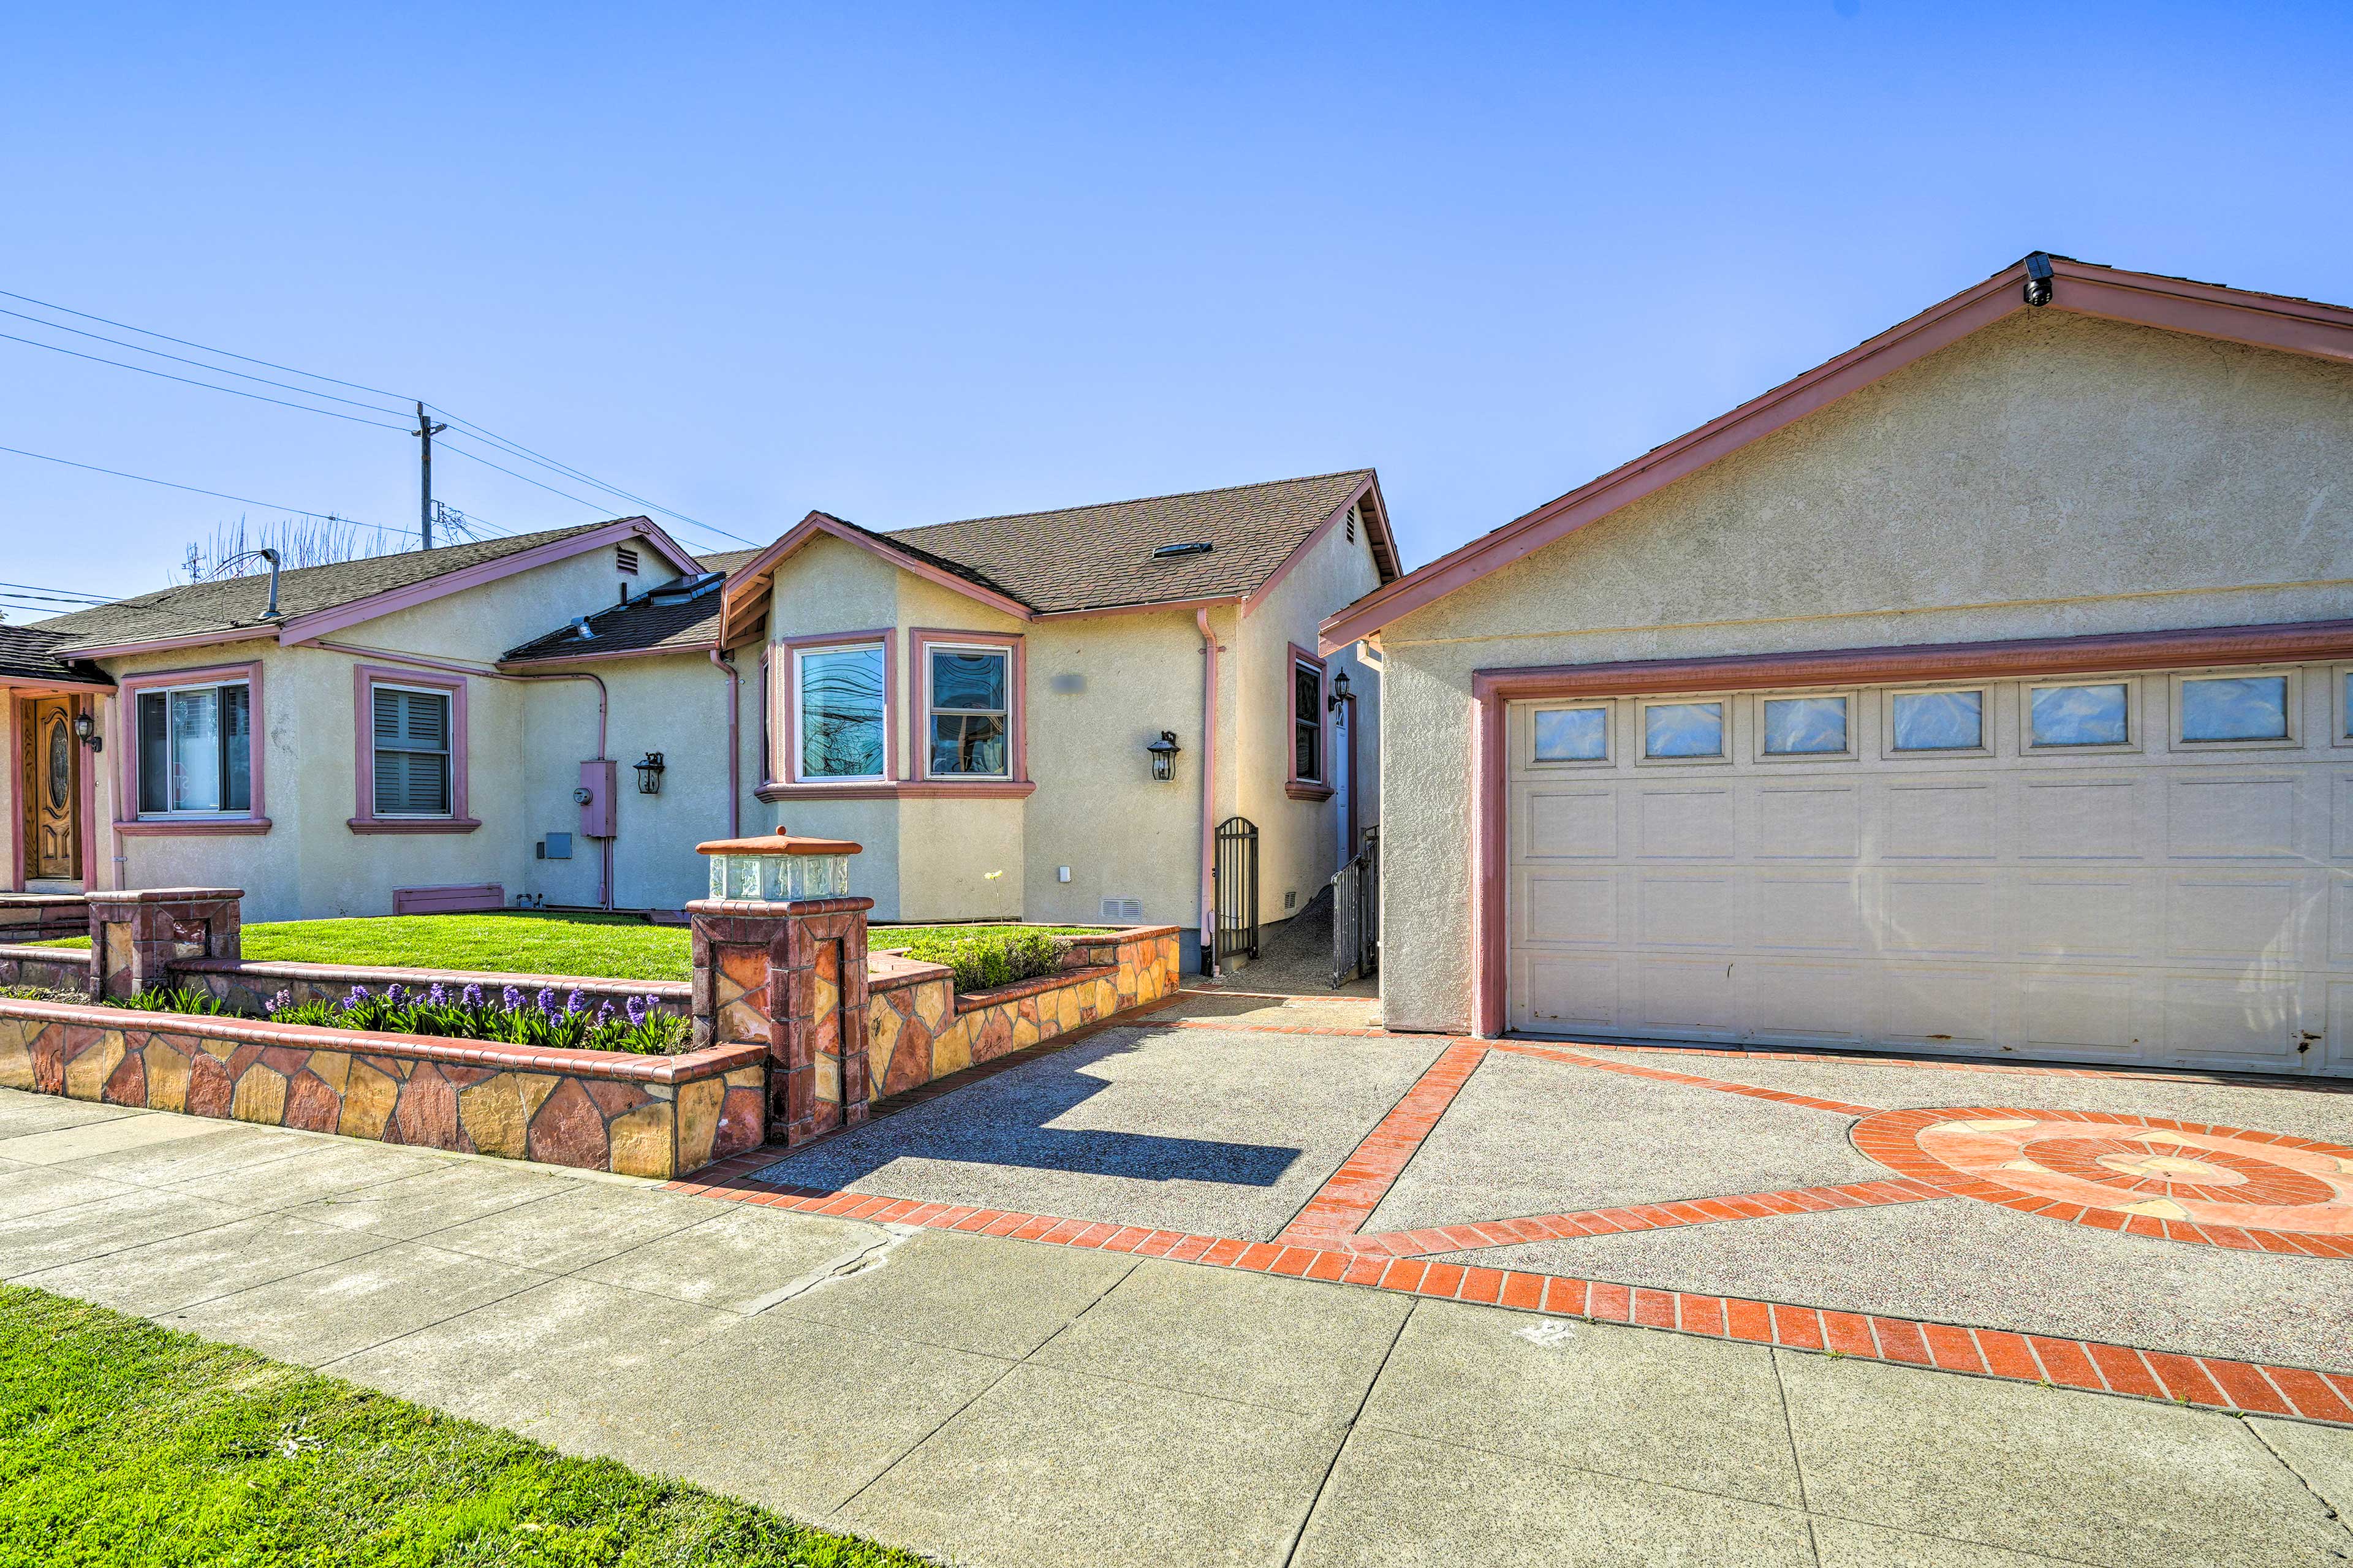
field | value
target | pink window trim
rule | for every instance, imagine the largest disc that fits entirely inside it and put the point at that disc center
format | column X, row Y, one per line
column 1295, row 786
column 784, row 763
column 128, row 822
column 1016, row 716
column 363, row 819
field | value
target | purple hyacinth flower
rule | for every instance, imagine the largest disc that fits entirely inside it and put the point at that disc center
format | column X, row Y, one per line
column 577, row 1002
column 438, row 995
column 511, row 998
column 604, row 1012
column 637, row 1011
column 547, row 998
column 394, row 993
column 473, row 995
column 283, row 1000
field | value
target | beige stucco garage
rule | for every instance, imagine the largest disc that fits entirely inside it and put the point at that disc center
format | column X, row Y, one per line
column 1982, row 690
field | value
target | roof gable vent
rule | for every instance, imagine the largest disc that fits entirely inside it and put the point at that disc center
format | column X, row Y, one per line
column 626, row 558
column 1196, row 547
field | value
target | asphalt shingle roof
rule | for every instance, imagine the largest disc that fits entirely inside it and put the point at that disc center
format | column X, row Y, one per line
column 1099, row 557
column 650, row 623
column 230, row 603
column 30, row 653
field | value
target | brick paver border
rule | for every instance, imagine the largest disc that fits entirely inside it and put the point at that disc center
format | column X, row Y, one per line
column 1322, row 1243
column 1645, row 1217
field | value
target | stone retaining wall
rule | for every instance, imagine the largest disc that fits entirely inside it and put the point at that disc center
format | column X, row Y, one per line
column 599, row 1110
column 920, row 1030
column 51, row 968
column 34, row 917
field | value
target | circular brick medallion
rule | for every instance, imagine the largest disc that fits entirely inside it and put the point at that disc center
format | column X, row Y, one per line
column 2185, row 1181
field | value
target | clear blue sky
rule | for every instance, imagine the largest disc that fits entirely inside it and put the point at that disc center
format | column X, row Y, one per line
column 910, row 263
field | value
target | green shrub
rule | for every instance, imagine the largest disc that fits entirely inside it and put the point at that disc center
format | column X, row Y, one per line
column 983, row 960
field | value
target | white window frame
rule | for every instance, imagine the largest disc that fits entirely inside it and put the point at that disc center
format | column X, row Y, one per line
column 800, row 713
column 1780, row 758
column 220, row 813
column 1004, row 655
column 2293, row 740
column 1608, row 757
column 1726, row 701
column 449, row 753
column 1984, row 748
column 2341, row 704
column 2136, row 728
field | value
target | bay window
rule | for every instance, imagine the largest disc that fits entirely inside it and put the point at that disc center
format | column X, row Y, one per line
column 838, row 712
column 967, row 711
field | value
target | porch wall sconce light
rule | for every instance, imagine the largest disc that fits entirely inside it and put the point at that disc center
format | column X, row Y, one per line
column 1164, row 755
column 85, row 730
column 1339, row 690
column 650, row 773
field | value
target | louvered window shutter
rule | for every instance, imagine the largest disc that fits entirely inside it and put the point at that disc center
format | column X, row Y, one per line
column 412, row 752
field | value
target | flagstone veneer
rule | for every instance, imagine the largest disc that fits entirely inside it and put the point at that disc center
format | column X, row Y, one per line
column 920, row 1030
column 247, row 987
column 599, row 1110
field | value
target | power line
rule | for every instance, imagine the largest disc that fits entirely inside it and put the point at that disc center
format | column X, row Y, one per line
column 183, row 342
column 182, row 359
column 526, row 478
column 517, row 448
column 69, row 593
column 219, row 495
column 234, row 391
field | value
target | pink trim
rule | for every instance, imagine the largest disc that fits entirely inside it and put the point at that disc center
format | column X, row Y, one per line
column 1017, row 692
column 27, row 686
column 1492, row 689
column 305, row 628
column 127, row 820
column 748, row 586
column 86, row 788
column 15, row 778
column 2292, row 326
column 1298, row 791
column 1293, row 780
column 363, row 817
column 1209, row 909
column 734, row 744
column 1376, row 538
column 900, row 789
column 888, row 637
column 166, row 645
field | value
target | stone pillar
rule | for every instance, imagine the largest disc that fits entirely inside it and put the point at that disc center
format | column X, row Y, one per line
column 135, row 935
column 780, row 959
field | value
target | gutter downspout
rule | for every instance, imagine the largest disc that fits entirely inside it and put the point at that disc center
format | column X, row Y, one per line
column 1208, row 794
column 734, row 745
column 603, row 707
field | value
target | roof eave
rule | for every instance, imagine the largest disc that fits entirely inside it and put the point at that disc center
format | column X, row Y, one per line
column 748, row 586
column 2204, row 309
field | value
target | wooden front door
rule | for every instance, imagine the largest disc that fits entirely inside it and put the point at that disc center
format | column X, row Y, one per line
column 51, row 787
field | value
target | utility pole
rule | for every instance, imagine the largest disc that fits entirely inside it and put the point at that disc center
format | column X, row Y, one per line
column 426, row 429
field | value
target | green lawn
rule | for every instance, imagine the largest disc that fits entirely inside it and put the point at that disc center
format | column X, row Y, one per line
column 125, row 1445
column 610, row 946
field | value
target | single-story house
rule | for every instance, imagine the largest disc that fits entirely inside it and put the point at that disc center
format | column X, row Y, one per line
column 1986, row 689
column 558, row 718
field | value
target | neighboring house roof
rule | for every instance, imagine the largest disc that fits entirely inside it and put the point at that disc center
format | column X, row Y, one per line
column 1085, row 559
column 2176, row 304
column 315, row 600
column 661, row 620
column 28, row 656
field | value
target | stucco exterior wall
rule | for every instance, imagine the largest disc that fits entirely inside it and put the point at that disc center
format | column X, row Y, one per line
column 1299, row 840
column 310, row 864
column 2053, row 475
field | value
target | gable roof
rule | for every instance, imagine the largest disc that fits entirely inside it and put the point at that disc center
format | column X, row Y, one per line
column 28, row 656
column 315, row 600
column 1083, row 559
column 2176, row 304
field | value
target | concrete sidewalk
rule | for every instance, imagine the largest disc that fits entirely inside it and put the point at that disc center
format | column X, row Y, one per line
column 997, row 1402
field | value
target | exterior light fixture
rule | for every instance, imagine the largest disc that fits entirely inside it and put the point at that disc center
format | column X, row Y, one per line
column 649, row 772
column 85, row 730
column 2038, row 279
column 1339, row 690
column 1164, row 755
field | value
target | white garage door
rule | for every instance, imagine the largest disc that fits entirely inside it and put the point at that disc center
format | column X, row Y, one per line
column 2154, row 868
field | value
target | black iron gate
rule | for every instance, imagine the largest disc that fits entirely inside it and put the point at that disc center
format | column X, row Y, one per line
column 1357, row 912
column 1237, row 887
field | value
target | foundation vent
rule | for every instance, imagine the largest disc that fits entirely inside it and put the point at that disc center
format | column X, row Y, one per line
column 1123, row 911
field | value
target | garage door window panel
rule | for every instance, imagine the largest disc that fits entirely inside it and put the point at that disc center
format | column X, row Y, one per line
column 2341, row 686
column 1940, row 723
column 1571, row 737
column 1806, row 727
column 1686, row 731
column 2238, row 710
column 2083, row 716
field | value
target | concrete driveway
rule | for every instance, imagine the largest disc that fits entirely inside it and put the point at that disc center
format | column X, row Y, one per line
column 994, row 1401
